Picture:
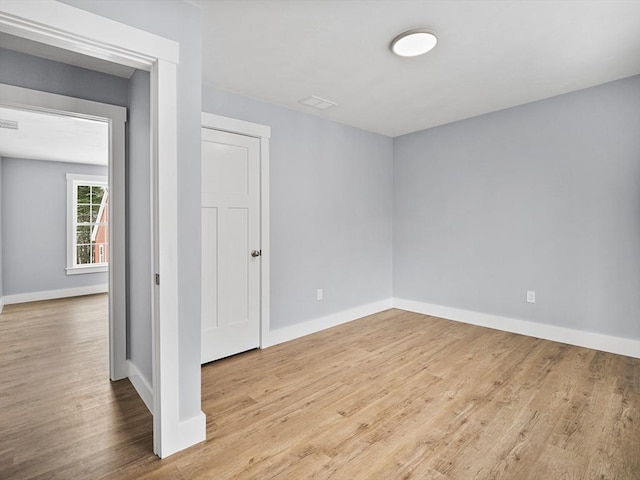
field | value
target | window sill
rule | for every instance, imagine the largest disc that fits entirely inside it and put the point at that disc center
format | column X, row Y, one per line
column 88, row 269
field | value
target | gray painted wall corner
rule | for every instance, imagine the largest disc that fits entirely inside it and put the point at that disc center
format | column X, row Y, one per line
column 543, row 197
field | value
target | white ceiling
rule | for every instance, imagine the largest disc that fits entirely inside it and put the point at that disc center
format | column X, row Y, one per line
column 44, row 136
column 490, row 55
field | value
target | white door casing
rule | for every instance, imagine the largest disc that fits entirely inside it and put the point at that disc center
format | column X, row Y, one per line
column 230, row 244
column 64, row 26
column 235, row 224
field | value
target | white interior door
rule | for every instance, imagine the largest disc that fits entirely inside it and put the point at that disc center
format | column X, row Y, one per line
column 230, row 244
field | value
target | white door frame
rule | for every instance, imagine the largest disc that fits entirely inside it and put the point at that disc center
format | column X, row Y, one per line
column 115, row 117
column 263, row 133
column 64, row 26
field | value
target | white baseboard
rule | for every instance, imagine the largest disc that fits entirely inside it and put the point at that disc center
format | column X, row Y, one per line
column 1, row 304
column 192, row 431
column 52, row 294
column 285, row 334
column 141, row 385
column 597, row 341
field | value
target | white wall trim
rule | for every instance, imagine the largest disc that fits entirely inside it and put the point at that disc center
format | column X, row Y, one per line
column 53, row 103
column 1, row 304
column 71, row 28
column 141, row 385
column 85, row 270
column 164, row 246
column 233, row 125
column 298, row 330
column 193, row 430
column 53, row 294
column 58, row 24
column 597, row 341
column 265, row 245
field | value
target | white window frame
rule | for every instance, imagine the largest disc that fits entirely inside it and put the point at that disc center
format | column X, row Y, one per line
column 73, row 180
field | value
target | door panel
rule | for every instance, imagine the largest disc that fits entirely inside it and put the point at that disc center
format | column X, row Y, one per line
column 230, row 231
column 210, row 273
column 238, row 241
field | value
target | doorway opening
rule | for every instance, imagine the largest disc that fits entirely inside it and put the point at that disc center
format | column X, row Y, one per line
column 77, row 30
column 107, row 123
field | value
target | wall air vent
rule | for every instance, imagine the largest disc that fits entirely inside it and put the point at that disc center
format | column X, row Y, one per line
column 317, row 102
column 11, row 124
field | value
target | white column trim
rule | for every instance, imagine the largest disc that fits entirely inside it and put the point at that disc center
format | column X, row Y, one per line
column 166, row 359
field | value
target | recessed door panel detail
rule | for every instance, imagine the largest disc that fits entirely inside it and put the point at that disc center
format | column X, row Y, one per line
column 228, row 174
column 238, row 238
column 210, row 274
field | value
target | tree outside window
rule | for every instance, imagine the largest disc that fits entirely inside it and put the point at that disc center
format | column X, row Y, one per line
column 92, row 224
column 88, row 249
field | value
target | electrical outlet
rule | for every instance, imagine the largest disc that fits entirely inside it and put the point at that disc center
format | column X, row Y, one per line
column 319, row 294
column 531, row 296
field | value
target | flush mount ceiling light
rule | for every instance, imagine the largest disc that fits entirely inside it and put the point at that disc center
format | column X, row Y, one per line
column 413, row 43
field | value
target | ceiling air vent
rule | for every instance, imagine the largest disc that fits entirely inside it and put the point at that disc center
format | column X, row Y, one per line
column 317, row 102
column 12, row 124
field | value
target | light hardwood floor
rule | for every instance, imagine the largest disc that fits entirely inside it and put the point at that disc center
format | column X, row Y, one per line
column 392, row 396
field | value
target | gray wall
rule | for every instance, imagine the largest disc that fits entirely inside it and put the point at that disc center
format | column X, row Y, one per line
column 139, row 225
column 34, row 226
column 544, row 197
column 330, row 210
column 45, row 75
column 181, row 22
column 27, row 71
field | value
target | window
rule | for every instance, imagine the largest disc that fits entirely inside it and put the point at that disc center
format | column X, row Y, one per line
column 87, row 224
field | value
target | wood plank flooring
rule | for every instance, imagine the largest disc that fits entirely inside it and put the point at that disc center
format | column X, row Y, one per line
column 395, row 395
column 60, row 416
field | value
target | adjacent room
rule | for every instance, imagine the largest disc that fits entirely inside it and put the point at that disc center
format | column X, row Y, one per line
column 362, row 239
